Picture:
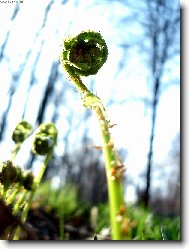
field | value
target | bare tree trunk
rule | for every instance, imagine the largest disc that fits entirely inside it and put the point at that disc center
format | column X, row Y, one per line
column 15, row 12
column 150, row 153
column 12, row 88
column 48, row 92
column 160, row 34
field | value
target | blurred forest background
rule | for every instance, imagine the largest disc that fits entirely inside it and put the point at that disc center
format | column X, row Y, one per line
column 139, row 85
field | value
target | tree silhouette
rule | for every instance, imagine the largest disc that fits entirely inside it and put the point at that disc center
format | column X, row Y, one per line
column 161, row 27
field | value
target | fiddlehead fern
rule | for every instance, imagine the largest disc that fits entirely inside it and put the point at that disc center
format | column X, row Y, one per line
column 21, row 132
column 84, row 55
column 9, row 173
column 45, row 139
column 28, row 180
column 44, row 142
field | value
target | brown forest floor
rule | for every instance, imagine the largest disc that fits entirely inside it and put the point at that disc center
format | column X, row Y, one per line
column 45, row 225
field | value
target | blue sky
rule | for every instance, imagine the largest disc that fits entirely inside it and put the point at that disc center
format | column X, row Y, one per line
column 132, row 82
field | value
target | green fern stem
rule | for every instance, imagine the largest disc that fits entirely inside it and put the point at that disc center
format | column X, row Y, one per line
column 31, row 194
column 15, row 151
column 114, row 183
column 14, row 194
column 19, row 202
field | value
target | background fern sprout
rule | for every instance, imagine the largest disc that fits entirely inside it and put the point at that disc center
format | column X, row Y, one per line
column 18, row 186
